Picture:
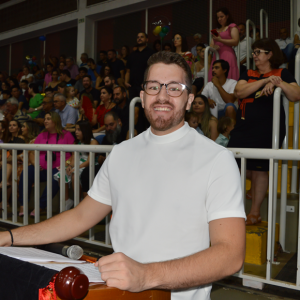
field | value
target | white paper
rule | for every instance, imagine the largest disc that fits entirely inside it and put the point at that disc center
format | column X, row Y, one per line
column 36, row 255
column 88, row 269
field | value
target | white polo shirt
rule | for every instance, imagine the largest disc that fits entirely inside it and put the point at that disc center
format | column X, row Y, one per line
column 164, row 191
column 210, row 91
column 283, row 43
column 243, row 49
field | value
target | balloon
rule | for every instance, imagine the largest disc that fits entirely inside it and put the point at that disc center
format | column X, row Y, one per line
column 27, row 57
column 33, row 58
column 157, row 30
column 42, row 38
column 162, row 35
column 30, row 62
column 165, row 29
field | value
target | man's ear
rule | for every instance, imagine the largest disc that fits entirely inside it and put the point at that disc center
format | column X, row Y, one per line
column 190, row 101
column 142, row 98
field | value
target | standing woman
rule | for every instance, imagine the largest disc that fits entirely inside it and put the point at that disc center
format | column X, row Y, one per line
column 53, row 84
column 124, row 54
column 228, row 37
column 101, row 110
column 105, row 71
column 180, row 46
column 53, row 134
column 254, row 118
column 35, row 103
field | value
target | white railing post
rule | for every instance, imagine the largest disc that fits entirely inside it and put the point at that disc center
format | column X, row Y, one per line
column 4, row 184
column 238, row 56
column 210, row 19
column 248, row 23
column 131, row 115
column 296, row 128
column 206, row 66
column 263, row 13
column 284, row 171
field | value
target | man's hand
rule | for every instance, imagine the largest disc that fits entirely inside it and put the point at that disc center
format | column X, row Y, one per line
column 216, row 81
column 122, row 272
column 127, row 85
column 211, row 103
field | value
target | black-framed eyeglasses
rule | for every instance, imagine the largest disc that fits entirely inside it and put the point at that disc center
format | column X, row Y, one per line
column 257, row 52
column 174, row 89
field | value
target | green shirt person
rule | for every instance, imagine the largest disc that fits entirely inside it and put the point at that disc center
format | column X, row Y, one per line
column 35, row 103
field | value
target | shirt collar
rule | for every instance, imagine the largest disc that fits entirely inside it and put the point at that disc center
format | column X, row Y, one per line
column 168, row 138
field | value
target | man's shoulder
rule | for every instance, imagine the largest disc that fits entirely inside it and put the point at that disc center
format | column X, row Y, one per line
column 230, row 82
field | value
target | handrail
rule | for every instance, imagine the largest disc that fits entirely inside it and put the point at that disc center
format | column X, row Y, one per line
column 296, row 128
column 206, row 67
column 261, row 17
column 248, row 22
column 131, row 115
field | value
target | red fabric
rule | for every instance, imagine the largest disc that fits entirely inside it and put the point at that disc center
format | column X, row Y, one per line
column 88, row 107
column 48, row 293
column 100, row 112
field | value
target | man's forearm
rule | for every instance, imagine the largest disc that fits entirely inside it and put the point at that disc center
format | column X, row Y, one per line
column 228, row 98
column 127, row 77
column 198, row 269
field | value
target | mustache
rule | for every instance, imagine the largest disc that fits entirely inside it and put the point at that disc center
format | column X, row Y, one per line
column 160, row 103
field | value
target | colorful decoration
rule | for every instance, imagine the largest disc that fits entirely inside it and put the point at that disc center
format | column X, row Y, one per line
column 31, row 61
column 157, row 30
column 161, row 27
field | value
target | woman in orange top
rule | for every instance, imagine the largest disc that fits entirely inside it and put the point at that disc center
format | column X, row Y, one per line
column 254, row 119
column 105, row 106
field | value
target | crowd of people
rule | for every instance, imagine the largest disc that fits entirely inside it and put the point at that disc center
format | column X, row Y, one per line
column 66, row 103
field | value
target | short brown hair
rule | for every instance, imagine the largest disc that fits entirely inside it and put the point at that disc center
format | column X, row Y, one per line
column 270, row 45
column 169, row 58
column 223, row 123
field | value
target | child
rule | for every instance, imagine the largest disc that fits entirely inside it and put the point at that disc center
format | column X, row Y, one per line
column 69, row 93
column 225, row 125
column 192, row 120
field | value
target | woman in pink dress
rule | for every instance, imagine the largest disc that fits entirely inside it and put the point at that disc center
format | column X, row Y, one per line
column 227, row 38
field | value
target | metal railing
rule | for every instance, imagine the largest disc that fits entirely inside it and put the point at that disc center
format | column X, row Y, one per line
column 206, row 66
column 248, row 23
column 263, row 13
column 131, row 115
column 49, row 148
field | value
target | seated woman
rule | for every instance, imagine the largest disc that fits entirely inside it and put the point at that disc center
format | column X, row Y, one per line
column 206, row 121
column 35, row 103
column 254, row 118
column 53, row 134
column 28, row 76
column 105, row 71
column 102, row 109
column 84, row 136
column 54, row 83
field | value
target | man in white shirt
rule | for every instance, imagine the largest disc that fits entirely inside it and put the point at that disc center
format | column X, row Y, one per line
column 178, row 218
column 243, row 48
column 220, row 91
column 285, row 43
column 197, row 39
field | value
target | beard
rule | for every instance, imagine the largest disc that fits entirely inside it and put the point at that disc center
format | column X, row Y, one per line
column 112, row 135
column 161, row 123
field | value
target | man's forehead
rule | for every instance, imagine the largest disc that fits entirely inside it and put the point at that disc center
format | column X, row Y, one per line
column 108, row 120
column 166, row 73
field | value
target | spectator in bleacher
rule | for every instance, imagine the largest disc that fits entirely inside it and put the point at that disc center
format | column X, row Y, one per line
column 199, row 69
column 48, row 106
column 197, row 39
column 55, row 82
column 54, row 61
column 157, row 45
column 220, row 91
column 38, row 75
column 2, row 79
column 5, row 95
column 105, row 71
column 13, row 82
column 168, row 47
column 192, row 119
column 16, row 92
column 70, row 96
column 24, row 87
column 285, row 43
column 61, row 67
column 243, row 48
column 79, row 85
column 117, row 66
column 13, row 112
column 107, row 104
column 4, row 87
column 181, row 47
column 48, row 76
column 84, row 57
column 109, row 81
column 35, row 103
column 3, row 134
column 225, row 126
column 71, row 67
column 28, row 76
column 207, row 123
column 66, row 77
column 94, row 70
column 103, row 59
column 254, row 122
column 136, row 66
column 61, row 87
column 84, row 136
column 68, row 114
column 62, row 58
column 49, row 92
column 53, row 134
column 228, row 37
column 124, row 54
column 257, row 34
column 89, row 89
column 114, row 134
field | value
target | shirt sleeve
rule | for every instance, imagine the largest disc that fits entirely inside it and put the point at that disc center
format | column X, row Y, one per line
column 232, row 87
column 224, row 192
column 287, row 77
column 100, row 190
column 72, row 116
column 206, row 89
column 244, row 76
